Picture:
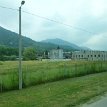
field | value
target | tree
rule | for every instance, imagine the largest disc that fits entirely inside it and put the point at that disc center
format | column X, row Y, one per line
column 8, row 53
column 29, row 53
column 46, row 54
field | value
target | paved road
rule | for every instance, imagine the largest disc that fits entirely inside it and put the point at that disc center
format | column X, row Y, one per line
column 100, row 103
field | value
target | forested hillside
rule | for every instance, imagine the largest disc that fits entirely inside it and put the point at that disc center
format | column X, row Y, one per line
column 10, row 39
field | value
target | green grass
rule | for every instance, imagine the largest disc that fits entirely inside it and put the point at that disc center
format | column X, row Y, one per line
column 65, row 93
column 38, row 72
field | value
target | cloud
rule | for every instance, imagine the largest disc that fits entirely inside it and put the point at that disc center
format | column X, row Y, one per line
column 86, row 14
column 98, row 42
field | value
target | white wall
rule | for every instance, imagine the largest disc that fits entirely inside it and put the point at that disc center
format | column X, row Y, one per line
column 56, row 54
column 89, row 55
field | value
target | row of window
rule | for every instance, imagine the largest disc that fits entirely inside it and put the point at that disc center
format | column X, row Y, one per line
column 90, row 56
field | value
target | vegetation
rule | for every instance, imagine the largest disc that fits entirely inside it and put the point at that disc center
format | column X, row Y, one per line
column 8, row 53
column 38, row 72
column 65, row 93
column 29, row 53
column 10, row 39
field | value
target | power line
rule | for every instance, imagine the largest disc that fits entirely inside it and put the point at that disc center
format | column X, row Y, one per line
column 55, row 21
column 8, row 8
column 74, row 27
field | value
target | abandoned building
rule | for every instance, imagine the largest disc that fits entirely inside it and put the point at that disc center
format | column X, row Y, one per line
column 56, row 53
column 90, row 55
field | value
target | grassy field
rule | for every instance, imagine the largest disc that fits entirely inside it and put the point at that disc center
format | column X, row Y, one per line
column 64, row 93
column 38, row 72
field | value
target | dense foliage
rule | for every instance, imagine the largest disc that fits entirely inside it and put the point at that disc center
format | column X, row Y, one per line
column 29, row 54
column 8, row 53
column 9, row 38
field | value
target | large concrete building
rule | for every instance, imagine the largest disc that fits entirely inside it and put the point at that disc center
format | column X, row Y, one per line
column 90, row 55
column 56, row 54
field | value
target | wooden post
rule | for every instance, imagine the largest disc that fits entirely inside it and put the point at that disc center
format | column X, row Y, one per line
column 1, row 86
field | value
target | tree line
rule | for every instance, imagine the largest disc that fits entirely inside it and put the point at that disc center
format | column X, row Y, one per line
column 9, row 53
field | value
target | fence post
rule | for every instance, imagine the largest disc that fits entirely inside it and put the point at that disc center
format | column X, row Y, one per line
column 101, row 66
column 1, row 87
column 85, row 70
column 75, row 70
column 64, row 70
column 95, row 67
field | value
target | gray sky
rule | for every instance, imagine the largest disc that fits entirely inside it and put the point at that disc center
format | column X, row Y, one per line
column 90, row 15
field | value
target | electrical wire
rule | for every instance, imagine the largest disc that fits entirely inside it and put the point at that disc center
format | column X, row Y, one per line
column 8, row 8
column 52, row 20
column 77, row 28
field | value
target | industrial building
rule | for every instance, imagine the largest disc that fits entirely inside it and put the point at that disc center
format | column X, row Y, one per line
column 56, row 53
column 90, row 55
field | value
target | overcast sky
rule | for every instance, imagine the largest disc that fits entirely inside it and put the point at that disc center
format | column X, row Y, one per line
column 88, row 19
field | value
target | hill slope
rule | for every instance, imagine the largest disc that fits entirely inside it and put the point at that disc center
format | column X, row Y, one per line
column 9, row 38
column 61, row 42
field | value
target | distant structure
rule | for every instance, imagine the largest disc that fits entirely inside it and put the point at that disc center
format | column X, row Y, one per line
column 90, row 55
column 56, row 53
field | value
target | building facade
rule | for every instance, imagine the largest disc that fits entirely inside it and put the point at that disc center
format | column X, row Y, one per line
column 56, row 54
column 90, row 55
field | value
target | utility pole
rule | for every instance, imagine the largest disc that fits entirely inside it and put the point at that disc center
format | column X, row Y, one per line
column 20, row 48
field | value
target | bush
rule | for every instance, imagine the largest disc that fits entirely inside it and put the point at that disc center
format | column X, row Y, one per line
column 8, row 58
column 1, row 63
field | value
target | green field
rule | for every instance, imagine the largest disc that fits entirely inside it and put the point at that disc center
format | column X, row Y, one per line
column 64, row 93
column 38, row 72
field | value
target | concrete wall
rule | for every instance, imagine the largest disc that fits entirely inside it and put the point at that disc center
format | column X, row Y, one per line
column 90, row 55
column 56, row 54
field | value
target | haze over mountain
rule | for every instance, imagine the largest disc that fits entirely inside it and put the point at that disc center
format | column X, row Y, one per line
column 9, row 38
column 61, row 42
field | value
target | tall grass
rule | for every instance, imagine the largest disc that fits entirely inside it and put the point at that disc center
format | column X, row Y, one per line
column 37, row 73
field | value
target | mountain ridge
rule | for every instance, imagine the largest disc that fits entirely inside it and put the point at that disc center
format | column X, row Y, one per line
column 62, row 42
column 11, row 39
